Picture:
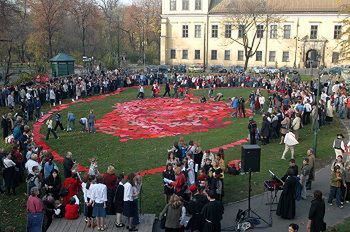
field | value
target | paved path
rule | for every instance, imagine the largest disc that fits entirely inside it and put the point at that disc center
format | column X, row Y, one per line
column 334, row 215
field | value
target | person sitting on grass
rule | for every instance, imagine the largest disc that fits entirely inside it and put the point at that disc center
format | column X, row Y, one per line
column 72, row 209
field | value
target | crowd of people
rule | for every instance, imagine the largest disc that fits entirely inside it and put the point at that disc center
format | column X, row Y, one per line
column 193, row 179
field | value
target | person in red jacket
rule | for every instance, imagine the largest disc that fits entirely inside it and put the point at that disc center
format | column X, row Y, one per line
column 180, row 182
column 72, row 209
column 72, row 184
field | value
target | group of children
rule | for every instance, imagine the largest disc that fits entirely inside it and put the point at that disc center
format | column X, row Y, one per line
column 197, row 167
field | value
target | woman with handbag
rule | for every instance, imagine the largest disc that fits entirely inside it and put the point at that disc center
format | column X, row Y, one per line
column 171, row 215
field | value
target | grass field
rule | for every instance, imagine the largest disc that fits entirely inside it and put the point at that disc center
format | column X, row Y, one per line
column 138, row 155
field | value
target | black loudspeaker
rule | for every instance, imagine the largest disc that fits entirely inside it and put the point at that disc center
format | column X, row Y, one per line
column 250, row 159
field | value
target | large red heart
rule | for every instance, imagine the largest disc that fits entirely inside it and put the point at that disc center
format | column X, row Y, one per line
column 160, row 117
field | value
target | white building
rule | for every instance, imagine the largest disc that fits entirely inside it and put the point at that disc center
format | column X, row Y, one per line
column 202, row 32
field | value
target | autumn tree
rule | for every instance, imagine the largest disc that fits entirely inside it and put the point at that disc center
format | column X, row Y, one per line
column 251, row 19
column 48, row 15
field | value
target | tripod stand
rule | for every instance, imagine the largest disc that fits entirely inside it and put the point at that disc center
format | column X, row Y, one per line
column 248, row 212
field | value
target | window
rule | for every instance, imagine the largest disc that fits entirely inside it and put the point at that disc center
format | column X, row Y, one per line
column 214, row 31
column 197, row 54
column 240, row 56
column 172, row 4
column 258, row 55
column 273, row 32
column 228, row 31
column 260, row 31
column 172, row 54
column 337, row 31
column 285, row 57
column 198, row 5
column 272, row 56
column 197, row 31
column 313, row 32
column 227, row 55
column 214, row 54
column 185, row 31
column 241, row 31
column 335, row 57
column 185, row 5
column 184, row 54
column 286, row 31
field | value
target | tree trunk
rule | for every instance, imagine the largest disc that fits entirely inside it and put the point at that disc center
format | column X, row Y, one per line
column 246, row 62
column 8, row 65
column 50, row 45
column 83, row 40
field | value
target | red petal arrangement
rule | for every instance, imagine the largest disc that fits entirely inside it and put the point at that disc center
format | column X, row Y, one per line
column 161, row 117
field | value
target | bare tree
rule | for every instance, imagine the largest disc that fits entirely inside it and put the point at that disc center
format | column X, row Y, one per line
column 83, row 12
column 48, row 17
column 111, row 11
column 9, row 12
column 251, row 18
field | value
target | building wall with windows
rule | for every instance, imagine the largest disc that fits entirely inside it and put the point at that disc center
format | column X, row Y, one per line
column 193, row 33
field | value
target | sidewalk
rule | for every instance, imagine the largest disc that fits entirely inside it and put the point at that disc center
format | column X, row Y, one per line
column 334, row 215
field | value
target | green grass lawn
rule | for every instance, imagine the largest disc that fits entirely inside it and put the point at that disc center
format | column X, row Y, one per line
column 342, row 227
column 138, row 155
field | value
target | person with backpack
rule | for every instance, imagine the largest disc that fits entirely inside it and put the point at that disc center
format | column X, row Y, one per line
column 252, row 127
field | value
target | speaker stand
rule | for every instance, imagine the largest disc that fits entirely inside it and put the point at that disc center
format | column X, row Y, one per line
column 249, row 212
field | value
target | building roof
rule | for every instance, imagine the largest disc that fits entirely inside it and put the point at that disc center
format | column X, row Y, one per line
column 280, row 6
column 62, row 57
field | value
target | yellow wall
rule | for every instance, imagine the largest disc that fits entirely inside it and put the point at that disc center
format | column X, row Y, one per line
column 171, row 38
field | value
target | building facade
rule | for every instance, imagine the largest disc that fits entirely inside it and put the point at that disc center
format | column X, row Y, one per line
column 308, row 33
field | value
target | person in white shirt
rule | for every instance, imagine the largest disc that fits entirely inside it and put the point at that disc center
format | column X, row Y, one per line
column 31, row 163
column 99, row 202
column 261, row 102
column 9, row 173
column 129, row 210
column 87, row 186
column 289, row 142
column 84, row 123
column 50, row 129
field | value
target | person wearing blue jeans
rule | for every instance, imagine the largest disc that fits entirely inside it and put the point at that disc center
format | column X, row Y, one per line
column 91, row 122
column 335, row 190
column 71, row 121
column 35, row 210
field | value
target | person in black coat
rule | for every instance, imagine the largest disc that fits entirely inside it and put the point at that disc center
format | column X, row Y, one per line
column 212, row 214
column 68, row 164
column 293, row 167
column 119, row 201
column 286, row 204
column 265, row 131
column 194, row 208
column 316, row 214
column 169, row 174
column 167, row 89
column 53, row 184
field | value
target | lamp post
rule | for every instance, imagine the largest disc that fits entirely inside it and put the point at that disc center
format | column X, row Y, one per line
column 317, row 107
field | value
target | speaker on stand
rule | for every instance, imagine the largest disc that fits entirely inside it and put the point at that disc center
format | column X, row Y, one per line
column 250, row 162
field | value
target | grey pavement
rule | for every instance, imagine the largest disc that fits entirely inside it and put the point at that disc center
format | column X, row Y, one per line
column 334, row 215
